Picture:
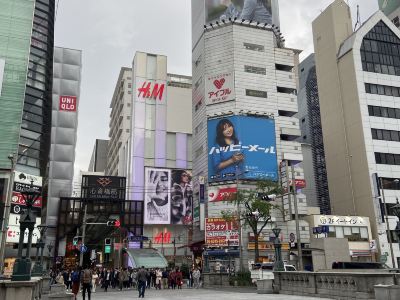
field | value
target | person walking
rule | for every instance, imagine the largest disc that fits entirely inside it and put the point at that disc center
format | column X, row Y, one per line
column 179, row 278
column 142, row 280
column 95, row 279
column 158, row 279
column 76, row 279
column 196, row 278
column 87, row 276
column 107, row 279
column 165, row 279
column 172, row 281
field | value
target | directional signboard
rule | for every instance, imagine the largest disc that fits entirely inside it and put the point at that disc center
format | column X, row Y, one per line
column 138, row 238
column 83, row 248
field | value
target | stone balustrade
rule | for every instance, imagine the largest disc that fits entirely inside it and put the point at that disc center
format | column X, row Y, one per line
column 331, row 285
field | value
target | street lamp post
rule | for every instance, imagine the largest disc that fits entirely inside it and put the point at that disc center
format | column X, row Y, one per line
column 38, row 267
column 278, row 266
column 22, row 265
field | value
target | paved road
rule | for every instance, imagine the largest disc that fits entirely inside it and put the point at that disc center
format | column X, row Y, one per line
column 191, row 294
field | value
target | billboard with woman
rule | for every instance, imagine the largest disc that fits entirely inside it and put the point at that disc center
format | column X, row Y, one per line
column 242, row 147
column 263, row 11
column 181, row 197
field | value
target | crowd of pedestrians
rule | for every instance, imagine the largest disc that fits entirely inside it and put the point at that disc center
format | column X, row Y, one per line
column 87, row 280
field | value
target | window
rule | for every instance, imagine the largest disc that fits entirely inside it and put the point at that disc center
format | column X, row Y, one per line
column 286, row 68
column 384, row 112
column 396, row 21
column 253, row 47
column 387, row 159
column 385, row 135
column 255, row 93
column 286, row 90
column 380, row 50
column 382, row 89
column 255, row 70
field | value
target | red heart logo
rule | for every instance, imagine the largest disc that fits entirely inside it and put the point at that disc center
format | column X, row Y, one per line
column 219, row 83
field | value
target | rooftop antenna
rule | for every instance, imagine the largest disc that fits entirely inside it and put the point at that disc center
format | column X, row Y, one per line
column 358, row 23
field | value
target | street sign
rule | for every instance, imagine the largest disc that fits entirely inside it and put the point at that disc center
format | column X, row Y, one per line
column 83, row 248
column 139, row 238
column 321, row 229
column 107, row 249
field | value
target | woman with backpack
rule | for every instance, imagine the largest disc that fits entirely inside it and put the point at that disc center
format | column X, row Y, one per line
column 76, row 279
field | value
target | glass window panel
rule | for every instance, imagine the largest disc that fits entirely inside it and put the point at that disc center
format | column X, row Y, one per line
column 379, row 134
column 374, row 134
column 347, row 230
column 394, row 136
column 391, row 113
column 171, row 146
column 149, row 144
column 384, row 112
column 151, row 66
column 339, row 232
column 150, row 121
column 364, row 232
column 389, row 159
column 355, row 230
column 381, row 90
column 388, row 91
column 374, row 89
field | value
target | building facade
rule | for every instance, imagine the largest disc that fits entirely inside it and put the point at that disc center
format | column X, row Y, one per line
column 317, row 190
column 120, row 125
column 358, row 82
column 98, row 160
column 243, row 76
column 66, row 97
column 26, row 64
column 159, row 160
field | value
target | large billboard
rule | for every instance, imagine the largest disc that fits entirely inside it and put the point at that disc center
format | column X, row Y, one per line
column 263, row 11
column 388, row 6
column 221, row 232
column 96, row 187
column 242, row 147
column 157, row 198
column 181, row 197
column 22, row 182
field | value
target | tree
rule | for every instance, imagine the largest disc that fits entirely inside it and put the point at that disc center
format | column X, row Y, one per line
column 256, row 206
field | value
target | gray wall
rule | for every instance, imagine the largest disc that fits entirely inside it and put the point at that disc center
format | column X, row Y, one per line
column 66, row 82
column 98, row 161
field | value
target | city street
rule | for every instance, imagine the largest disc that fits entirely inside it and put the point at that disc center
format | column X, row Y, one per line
column 192, row 294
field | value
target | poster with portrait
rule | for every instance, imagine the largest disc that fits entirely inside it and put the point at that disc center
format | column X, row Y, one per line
column 181, row 197
column 157, row 196
column 242, row 147
column 262, row 11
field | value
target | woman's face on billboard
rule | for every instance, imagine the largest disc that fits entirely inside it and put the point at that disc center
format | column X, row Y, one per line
column 228, row 131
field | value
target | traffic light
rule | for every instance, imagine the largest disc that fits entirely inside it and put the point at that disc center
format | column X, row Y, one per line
column 76, row 240
column 114, row 223
column 107, row 241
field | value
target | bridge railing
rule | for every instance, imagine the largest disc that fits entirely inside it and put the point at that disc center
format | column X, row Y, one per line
column 332, row 284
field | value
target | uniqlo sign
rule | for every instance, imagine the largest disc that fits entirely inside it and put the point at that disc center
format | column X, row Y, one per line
column 67, row 103
column 220, row 88
column 155, row 90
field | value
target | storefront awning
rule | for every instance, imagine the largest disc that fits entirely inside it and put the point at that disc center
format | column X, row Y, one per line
column 149, row 258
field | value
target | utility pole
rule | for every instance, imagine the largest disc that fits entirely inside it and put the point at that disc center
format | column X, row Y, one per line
column 296, row 212
column 6, row 213
column 240, row 222
column 83, row 235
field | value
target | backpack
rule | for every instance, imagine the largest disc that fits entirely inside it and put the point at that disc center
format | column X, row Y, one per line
column 75, row 276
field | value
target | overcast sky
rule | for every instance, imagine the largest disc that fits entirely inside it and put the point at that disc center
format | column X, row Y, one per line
column 110, row 32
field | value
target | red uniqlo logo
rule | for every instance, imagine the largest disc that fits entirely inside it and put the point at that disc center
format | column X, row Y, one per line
column 68, row 103
column 151, row 92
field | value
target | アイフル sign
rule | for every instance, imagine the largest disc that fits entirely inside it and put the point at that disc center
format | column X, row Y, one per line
column 220, row 88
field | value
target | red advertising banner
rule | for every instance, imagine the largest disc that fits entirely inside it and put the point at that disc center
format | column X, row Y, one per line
column 218, row 232
column 18, row 199
column 67, row 103
column 221, row 193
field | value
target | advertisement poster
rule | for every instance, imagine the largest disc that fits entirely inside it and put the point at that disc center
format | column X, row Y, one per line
column 219, row 231
column 222, row 193
column 13, row 231
column 388, row 6
column 220, row 88
column 242, row 147
column 22, row 182
column 157, row 200
column 181, row 197
column 262, row 11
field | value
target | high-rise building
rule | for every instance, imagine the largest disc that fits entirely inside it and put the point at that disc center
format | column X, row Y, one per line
column 157, row 152
column 359, row 85
column 311, row 137
column 98, row 161
column 391, row 8
column 26, row 56
column 67, row 71
column 120, row 125
column 244, row 83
